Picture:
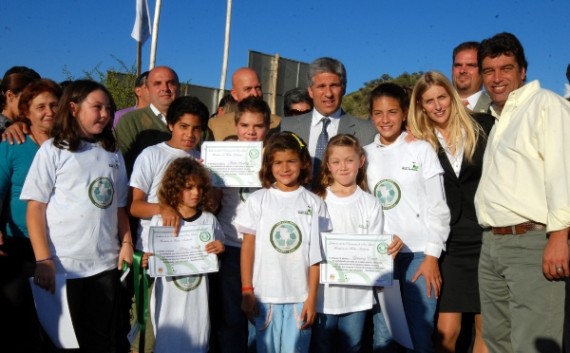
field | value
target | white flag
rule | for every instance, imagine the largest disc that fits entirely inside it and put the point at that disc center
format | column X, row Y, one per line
column 141, row 29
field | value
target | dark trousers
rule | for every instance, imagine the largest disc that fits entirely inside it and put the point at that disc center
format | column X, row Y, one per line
column 19, row 324
column 93, row 305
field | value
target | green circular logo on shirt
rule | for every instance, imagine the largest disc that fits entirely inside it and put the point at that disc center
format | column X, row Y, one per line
column 285, row 237
column 101, row 192
column 388, row 192
column 187, row 283
column 205, row 236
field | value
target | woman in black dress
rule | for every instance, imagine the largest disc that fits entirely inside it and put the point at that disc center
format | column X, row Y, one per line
column 438, row 116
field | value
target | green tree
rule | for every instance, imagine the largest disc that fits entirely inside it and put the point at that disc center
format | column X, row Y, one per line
column 119, row 82
column 356, row 103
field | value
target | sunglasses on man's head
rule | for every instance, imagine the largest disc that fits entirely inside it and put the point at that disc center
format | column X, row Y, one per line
column 294, row 112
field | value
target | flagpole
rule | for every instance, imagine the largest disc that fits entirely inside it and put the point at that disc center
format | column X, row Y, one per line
column 226, row 50
column 154, row 34
column 139, row 50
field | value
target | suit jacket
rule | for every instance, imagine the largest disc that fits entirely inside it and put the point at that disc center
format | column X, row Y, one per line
column 460, row 191
column 362, row 129
column 224, row 125
column 483, row 104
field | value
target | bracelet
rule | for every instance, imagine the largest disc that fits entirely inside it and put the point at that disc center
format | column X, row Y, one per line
column 246, row 289
column 44, row 260
column 128, row 242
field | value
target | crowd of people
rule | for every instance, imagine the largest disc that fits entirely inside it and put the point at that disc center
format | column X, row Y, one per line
column 469, row 176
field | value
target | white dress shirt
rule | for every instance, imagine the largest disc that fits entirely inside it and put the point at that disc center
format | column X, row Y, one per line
column 526, row 167
column 317, row 127
column 158, row 113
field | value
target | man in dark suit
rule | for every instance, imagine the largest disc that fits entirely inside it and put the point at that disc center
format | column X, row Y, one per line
column 327, row 86
column 467, row 78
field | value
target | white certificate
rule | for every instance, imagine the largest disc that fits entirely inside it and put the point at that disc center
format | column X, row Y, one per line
column 357, row 259
column 233, row 164
column 181, row 255
column 53, row 313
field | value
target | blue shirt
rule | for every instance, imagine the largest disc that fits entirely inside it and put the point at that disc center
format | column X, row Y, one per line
column 15, row 161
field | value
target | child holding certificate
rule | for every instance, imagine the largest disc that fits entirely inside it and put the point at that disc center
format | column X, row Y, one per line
column 77, row 190
column 179, row 305
column 408, row 180
column 187, row 117
column 342, row 184
column 252, row 121
column 280, row 252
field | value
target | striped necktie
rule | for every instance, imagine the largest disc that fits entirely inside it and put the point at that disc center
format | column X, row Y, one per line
column 321, row 145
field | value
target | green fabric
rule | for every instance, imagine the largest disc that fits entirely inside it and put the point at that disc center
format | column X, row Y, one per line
column 140, row 309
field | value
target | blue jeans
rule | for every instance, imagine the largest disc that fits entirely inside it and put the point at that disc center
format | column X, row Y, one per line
column 419, row 309
column 338, row 333
column 278, row 329
column 232, row 335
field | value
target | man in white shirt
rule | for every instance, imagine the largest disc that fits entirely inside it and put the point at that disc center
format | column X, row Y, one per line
column 467, row 79
column 523, row 203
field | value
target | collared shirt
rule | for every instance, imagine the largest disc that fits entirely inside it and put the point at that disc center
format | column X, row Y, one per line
column 158, row 113
column 317, row 127
column 495, row 111
column 526, row 169
column 454, row 159
column 473, row 99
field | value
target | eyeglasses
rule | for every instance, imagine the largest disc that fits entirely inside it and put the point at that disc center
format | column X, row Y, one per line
column 295, row 112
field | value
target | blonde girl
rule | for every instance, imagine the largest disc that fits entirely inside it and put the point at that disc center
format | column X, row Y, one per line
column 342, row 184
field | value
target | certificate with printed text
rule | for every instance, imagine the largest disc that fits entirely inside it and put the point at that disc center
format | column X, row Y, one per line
column 357, row 259
column 181, row 255
column 233, row 163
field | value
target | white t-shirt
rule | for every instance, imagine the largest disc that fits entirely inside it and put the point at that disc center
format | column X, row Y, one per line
column 287, row 228
column 83, row 191
column 148, row 171
column 179, row 308
column 359, row 213
column 233, row 200
column 397, row 176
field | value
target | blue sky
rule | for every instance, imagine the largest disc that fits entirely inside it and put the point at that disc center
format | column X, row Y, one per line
column 371, row 37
